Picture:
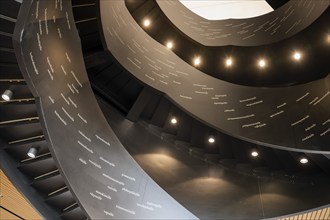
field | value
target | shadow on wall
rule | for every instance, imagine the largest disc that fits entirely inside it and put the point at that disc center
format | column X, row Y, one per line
column 212, row 191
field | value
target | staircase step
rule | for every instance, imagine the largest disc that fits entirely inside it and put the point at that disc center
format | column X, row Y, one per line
column 9, row 8
column 46, row 175
column 76, row 214
column 7, row 24
column 57, row 192
column 20, row 121
column 7, row 18
column 27, row 140
column 7, row 55
column 13, row 81
column 6, row 40
column 37, row 158
column 18, row 102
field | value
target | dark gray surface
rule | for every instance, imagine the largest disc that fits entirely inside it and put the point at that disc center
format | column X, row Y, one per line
column 295, row 118
column 104, row 178
column 277, row 25
column 22, row 183
column 212, row 191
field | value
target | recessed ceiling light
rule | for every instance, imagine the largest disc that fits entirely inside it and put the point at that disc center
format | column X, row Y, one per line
column 297, row 56
column 174, row 121
column 197, row 61
column 254, row 153
column 169, row 44
column 32, row 153
column 211, row 140
column 303, row 160
column 229, row 62
column 262, row 63
column 7, row 95
column 146, row 22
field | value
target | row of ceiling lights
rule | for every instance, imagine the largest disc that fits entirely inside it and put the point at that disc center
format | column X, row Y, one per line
column 254, row 153
column 32, row 153
column 8, row 94
column 261, row 63
column 229, row 61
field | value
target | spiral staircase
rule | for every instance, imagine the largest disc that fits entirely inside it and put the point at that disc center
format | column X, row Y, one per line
column 40, row 179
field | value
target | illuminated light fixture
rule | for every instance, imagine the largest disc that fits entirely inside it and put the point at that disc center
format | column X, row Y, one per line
column 328, row 38
column 229, row 62
column 254, row 153
column 211, row 140
column 303, row 160
column 174, row 121
column 297, row 56
column 197, row 61
column 7, row 95
column 262, row 63
column 32, row 153
column 146, row 22
column 169, row 45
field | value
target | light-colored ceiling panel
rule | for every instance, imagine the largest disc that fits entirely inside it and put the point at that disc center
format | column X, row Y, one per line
column 224, row 9
column 12, row 199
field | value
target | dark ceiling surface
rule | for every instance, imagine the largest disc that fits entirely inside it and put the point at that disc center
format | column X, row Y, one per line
column 272, row 27
column 275, row 4
column 139, row 102
column 210, row 190
column 37, row 178
column 150, row 106
column 249, row 113
column 282, row 70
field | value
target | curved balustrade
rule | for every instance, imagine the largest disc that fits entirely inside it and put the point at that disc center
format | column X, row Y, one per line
column 280, row 24
column 103, row 177
column 294, row 118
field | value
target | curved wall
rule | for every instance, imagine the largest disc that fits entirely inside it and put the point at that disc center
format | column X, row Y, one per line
column 103, row 177
column 280, row 24
column 294, row 118
column 210, row 190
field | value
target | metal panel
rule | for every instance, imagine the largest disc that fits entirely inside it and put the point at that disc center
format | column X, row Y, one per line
column 103, row 177
column 293, row 118
column 269, row 28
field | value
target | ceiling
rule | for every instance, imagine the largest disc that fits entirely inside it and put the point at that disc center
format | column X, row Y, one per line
column 12, row 202
column 115, row 84
column 282, row 70
column 140, row 103
column 219, row 10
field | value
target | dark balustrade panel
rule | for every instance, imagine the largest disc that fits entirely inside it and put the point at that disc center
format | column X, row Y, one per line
column 277, row 25
column 295, row 118
column 103, row 177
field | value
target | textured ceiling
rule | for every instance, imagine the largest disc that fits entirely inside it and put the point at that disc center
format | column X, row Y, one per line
column 118, row 87
column 12, row 202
